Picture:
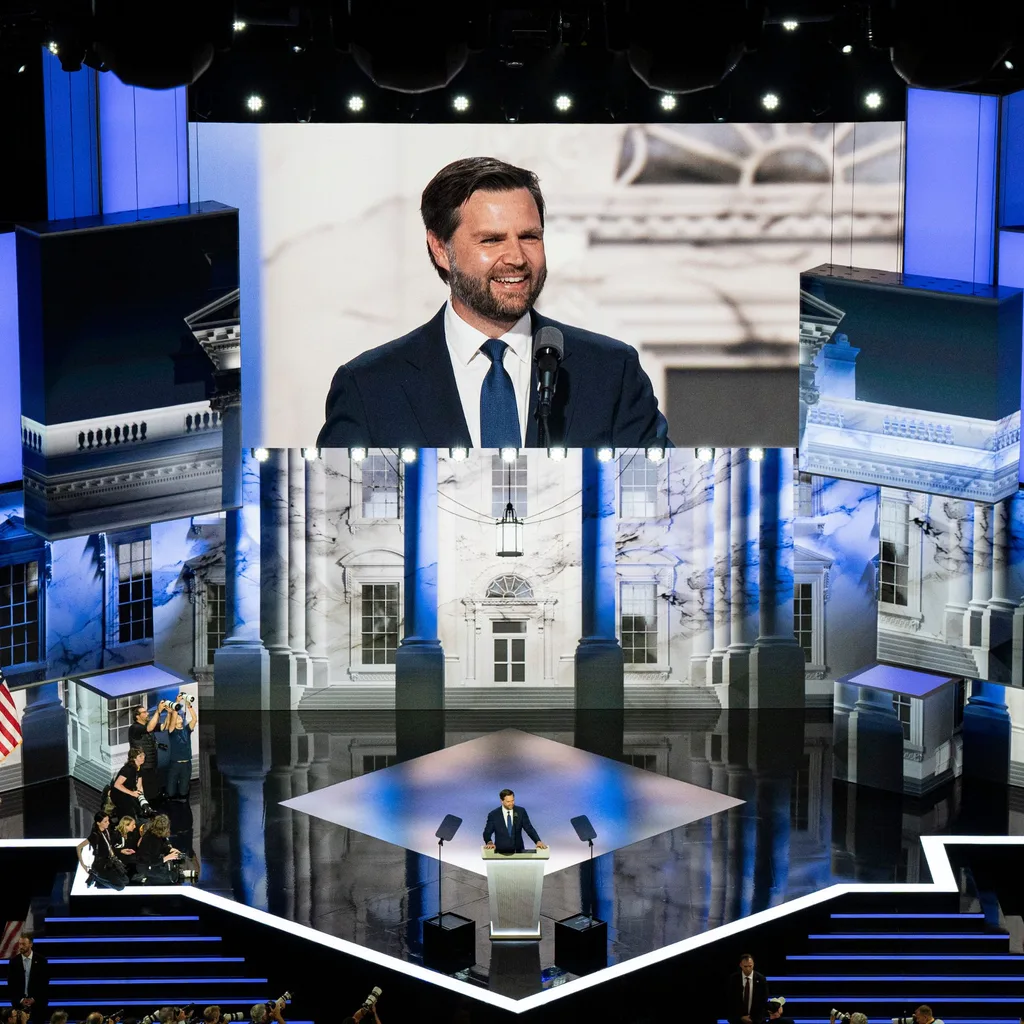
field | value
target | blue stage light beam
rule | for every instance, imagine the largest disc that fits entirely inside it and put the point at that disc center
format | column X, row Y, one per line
column 10, row 366
column 950, row 185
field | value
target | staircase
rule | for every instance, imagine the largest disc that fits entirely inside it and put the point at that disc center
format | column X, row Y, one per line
column 926, row 653
column 139, row 963
column 886, row 963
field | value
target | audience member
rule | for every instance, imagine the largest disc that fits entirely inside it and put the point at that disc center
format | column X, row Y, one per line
column 155, row 855
column 8, row 1015
column 28, row 981
column 60, row 1017
column 923, row 1015
column 94, row 1018
column 124, row 843
column 179, row 738
column 747, row 994
column 127, row 787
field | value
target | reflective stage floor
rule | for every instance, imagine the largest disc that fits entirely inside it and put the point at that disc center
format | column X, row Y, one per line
column 710, row 816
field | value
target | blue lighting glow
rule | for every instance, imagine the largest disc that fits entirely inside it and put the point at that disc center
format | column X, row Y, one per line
column 906, row 917
column 143, row 146
column 1011, row 155
column 905, row 956
column 889, row 998
column 841, row 979
column 133, row 938
column 145, row 960
column 161, row 1000
column 10, row 365
column 909, row 935
column 79, row 920
column 158, row 981
column 950, row 185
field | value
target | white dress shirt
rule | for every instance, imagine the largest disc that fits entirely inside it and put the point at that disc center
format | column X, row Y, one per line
column 471, row 366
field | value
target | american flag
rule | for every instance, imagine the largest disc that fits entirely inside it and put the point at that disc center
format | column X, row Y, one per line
column 10, row 727
column 10, row 935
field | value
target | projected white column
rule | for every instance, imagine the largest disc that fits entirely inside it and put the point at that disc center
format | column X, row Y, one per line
column 297, row 564
column 703, row 581
column 274, row 574
column 955, row 561
column 736, row 667
column 721, row 503
column 981, row 574
column 997, row 618
column 316, row 572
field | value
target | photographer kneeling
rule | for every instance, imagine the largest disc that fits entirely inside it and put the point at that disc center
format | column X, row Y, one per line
column 847, row 1018
column 156, row 857
column 263, row 1012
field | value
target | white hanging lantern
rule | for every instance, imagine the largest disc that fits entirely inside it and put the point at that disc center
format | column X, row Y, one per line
column 510, row 534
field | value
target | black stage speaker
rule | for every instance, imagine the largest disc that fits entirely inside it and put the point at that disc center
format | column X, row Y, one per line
column 581, row 944
column 449, row 943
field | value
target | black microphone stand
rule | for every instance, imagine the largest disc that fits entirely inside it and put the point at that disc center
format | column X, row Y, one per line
column 593, row 884
column 543, row 412
column 440, row 911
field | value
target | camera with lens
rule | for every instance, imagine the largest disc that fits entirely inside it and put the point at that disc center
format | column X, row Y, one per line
column 902, row 1020
column 229, row 1018
column 843, row 1018
column 371, row 1000
column 286, row 998
column 184, row 700
column 116, row 1015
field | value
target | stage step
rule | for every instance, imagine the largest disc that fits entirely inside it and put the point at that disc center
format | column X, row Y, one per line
column 365, row 698
column 154, row 966
column 963, row 940
column 137, row 924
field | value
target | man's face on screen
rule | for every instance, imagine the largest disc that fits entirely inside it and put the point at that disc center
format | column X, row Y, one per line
column 495, row 258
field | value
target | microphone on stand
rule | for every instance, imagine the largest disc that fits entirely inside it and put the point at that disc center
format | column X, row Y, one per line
column 548, row 346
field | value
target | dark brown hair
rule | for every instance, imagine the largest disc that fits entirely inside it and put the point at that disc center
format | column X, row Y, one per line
column 443, row 197
column 504, row 793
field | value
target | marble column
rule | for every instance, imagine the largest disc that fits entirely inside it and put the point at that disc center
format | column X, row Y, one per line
column 702, row 579
column 301, row 836
column 320, row 831
column 986, row 734
column 599, row 669
column 719, row 842
column 297, row 565
column 241, row 665
column 251, row 870
column 955, row 562
column 742, row 840
column 44, row 735
column 997, row 618
column 316, row 572
column 419, row 661
column 279, row 838
column 1017, row 670
column 274, row 575
column 875, row 744
column 736, row 666
column 844, row 698
column 981, row 575
column 771, row 867
column 721, row 510
column 777, row 660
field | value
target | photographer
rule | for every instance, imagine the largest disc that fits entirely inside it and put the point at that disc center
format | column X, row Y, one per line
column 212, row 1015
column 847, row 1018
column 126, row 791
column 369, row 1008
column 156, row 858
column 179, row 740
column 60, row 1017
column 263, row 1012
column 923, row 1015
column 140, row 734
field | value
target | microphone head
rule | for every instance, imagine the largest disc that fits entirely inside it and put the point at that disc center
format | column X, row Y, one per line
column 549, row 338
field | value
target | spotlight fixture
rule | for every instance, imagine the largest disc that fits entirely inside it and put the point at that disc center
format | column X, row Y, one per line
column 238, row 26
column 791, row 26
column 873, row 100
column 408, row 455
column 356, row 104
column 458, row 454
column 668, row 102
column 605, row 454
column 557, row 454
column 357, row 454
column 461, row 104
column 655, row 454
column 846, row 48
column 563, row 102
column 260, row 454
column 254, row 103
column 297, row 48
column 755, row 454
column 704, row 454
column 311, row 454
column 21, row 69
column 1008, row 64
column 53, row 47
column 770, row 101
column 509, row 454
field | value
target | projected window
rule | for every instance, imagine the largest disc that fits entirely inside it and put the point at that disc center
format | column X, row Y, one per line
column 894, row 554
column 216, row 618
column 903, row 706
column 134, row 590
column 638, row 486
column 510, row 588
column 800, row 796
column 374, row 762
column 379, row 640
column 379, row 485
column 508, row 483
column 509, row 650
column 638, row 619
column 120, row 715
column 19, row 613
column 803, row 618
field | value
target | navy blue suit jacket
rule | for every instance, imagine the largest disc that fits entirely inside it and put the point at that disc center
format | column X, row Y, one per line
column 403, row 394
column 496, row 830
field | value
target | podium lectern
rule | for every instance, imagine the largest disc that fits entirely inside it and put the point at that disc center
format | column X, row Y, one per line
column 514, row 885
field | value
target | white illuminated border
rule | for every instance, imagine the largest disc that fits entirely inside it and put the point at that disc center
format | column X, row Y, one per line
column 934, row 848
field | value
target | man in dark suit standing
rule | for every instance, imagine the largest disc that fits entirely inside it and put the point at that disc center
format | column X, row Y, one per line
column 28, row 980
column 506, row 825
column 467, row 378
column 747, row 994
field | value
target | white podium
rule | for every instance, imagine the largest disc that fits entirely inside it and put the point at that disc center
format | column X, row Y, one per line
column 515, row 882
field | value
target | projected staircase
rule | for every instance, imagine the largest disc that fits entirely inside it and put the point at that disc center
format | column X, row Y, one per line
column 139, row 963
column 886, row 963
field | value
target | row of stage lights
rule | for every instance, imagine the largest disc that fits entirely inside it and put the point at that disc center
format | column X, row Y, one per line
column 563, row 102
column 407, row 455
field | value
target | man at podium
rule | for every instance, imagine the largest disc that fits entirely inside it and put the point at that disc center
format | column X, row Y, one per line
column 506, row 825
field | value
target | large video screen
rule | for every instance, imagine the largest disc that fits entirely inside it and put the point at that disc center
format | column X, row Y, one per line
column 668, row 259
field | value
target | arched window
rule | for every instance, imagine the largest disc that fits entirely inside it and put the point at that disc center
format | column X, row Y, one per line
column 511, row 588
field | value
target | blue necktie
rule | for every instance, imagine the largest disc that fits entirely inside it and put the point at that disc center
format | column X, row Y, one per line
column 499, row 413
